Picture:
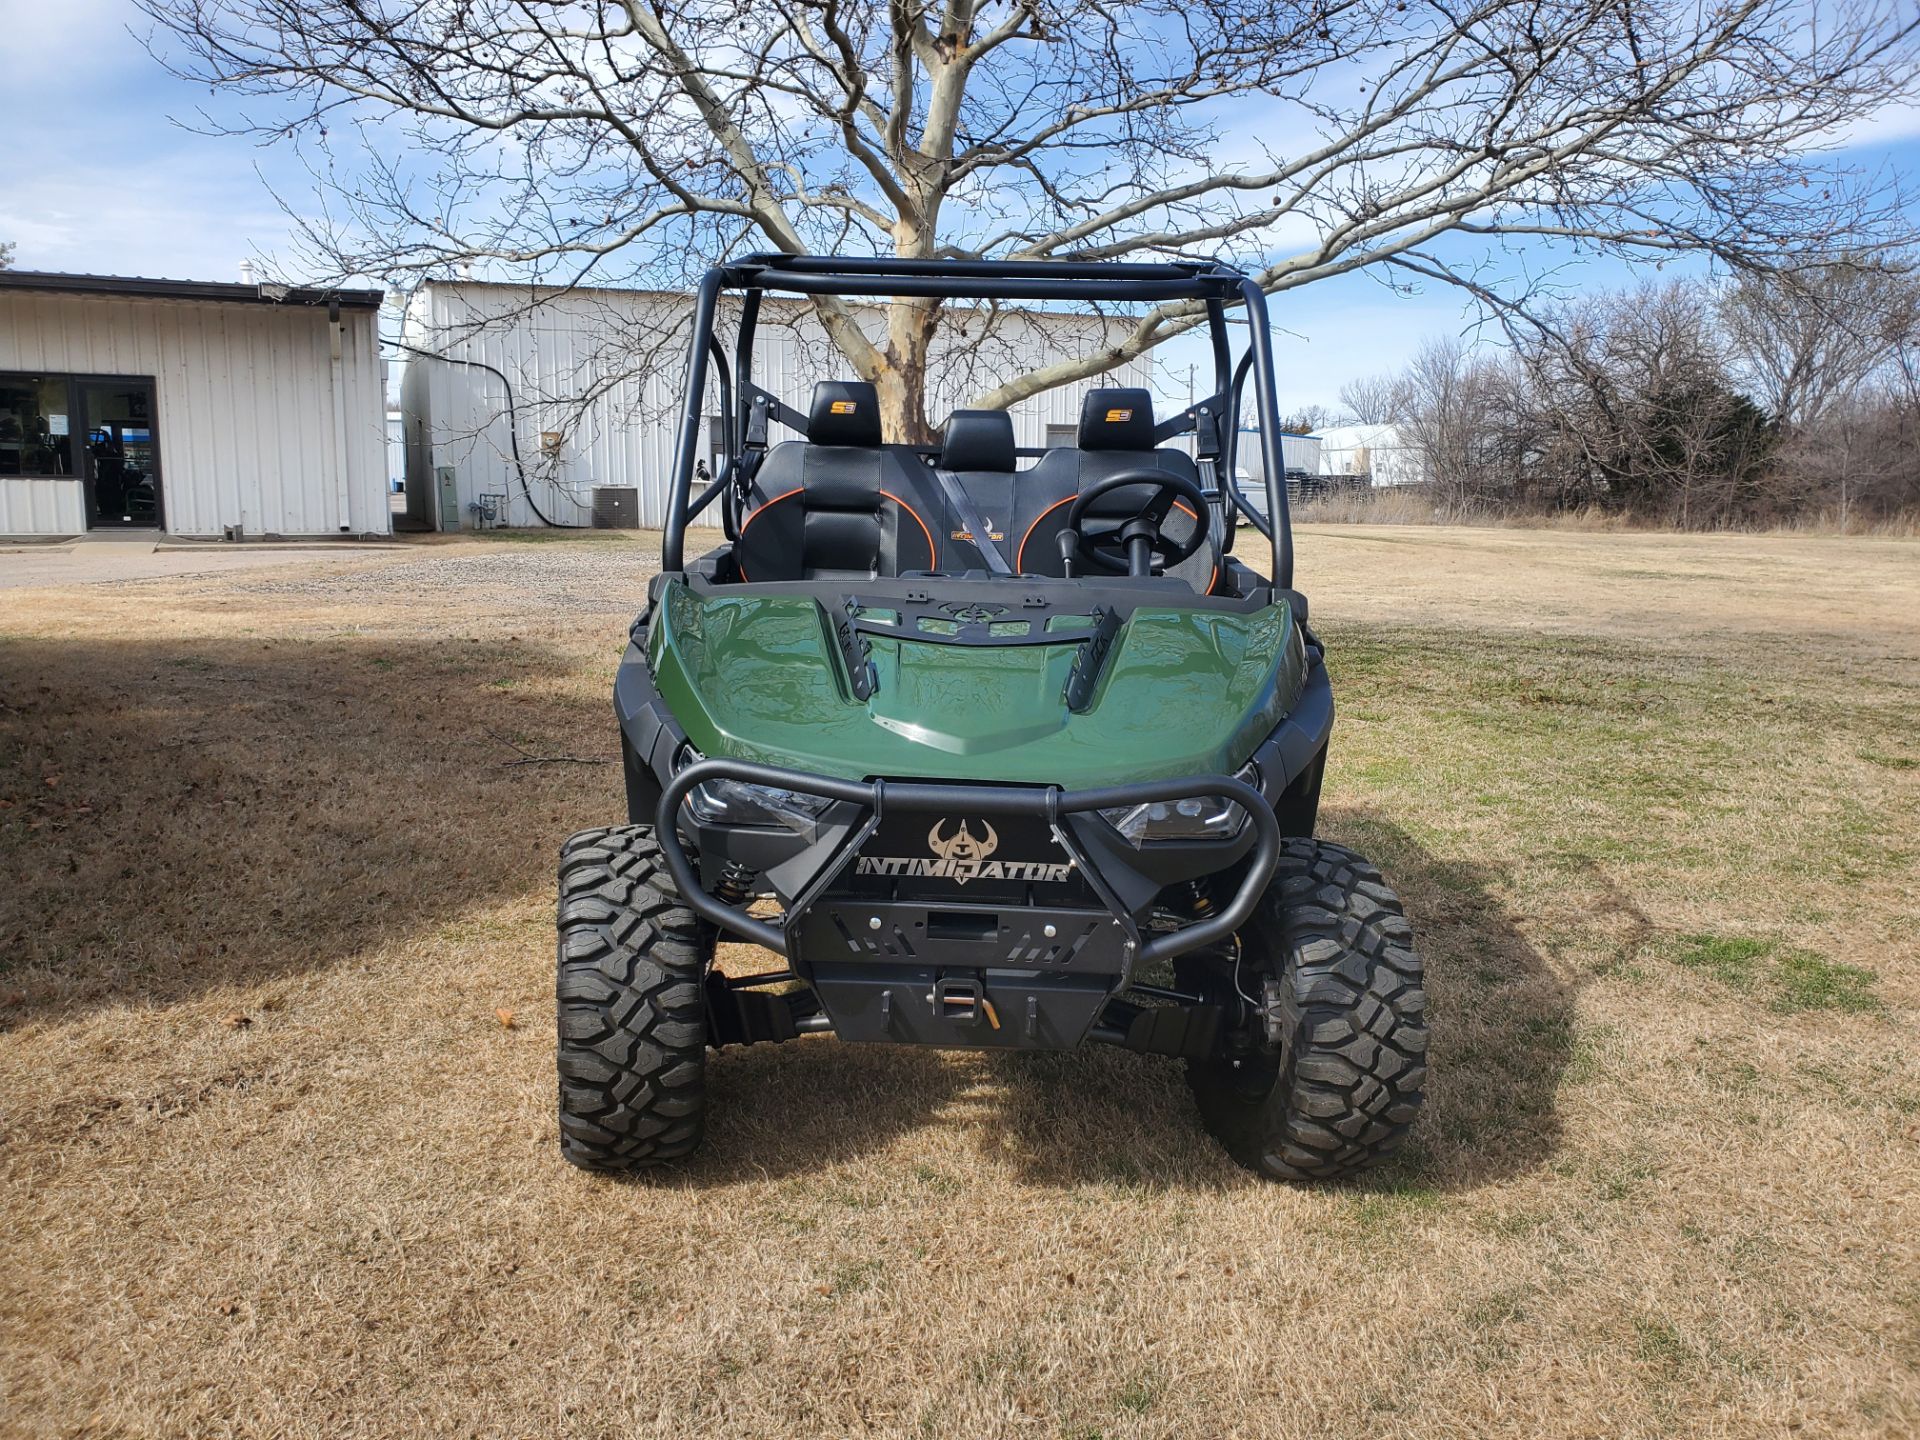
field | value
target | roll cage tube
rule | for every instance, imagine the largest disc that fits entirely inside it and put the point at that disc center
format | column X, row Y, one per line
column 1216, row 287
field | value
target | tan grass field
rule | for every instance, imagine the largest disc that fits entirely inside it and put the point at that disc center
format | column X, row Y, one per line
column 272, row 1165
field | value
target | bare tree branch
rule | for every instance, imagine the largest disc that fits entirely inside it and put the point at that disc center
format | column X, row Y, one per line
column 639, row 141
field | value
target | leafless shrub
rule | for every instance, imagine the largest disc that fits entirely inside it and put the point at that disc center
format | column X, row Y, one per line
column 1786, row 395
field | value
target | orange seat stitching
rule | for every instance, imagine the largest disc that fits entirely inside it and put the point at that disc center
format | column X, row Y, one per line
column 753, row 515
column 933, row 556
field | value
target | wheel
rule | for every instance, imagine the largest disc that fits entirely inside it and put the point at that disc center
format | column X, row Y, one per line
column 632, row 1005
column 1322, row 1073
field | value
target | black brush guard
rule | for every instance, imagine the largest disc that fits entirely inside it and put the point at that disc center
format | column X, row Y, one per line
column 887, row 987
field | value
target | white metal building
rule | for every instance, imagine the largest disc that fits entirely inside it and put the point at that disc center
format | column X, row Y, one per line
column 1378, row 451
column 189, row 407
column 1298, row 454
column 521, row 402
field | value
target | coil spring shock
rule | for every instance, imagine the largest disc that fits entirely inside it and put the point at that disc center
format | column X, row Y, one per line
column 736, row 883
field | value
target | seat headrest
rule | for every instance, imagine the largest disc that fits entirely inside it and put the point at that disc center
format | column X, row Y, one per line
column 979, row 440
column 844, row 412
column 1116, row 419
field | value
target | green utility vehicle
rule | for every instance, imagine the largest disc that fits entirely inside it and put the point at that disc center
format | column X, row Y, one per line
column 992, row 747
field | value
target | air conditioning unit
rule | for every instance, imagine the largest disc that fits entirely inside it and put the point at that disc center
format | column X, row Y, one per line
column 616, row 507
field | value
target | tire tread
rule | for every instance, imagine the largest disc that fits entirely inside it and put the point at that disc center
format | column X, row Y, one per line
column 1353, row 1055
column 631, row 1005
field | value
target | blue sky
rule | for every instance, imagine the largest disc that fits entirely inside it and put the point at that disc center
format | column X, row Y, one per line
column 99, row 176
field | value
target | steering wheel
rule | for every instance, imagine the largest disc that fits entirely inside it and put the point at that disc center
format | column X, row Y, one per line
column 1132, row 546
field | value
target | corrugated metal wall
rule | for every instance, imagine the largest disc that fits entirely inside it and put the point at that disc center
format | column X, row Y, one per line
column 1377, row 450
column 1297, row 452
column 601, row 369
column 246, row 420
column 33, row 506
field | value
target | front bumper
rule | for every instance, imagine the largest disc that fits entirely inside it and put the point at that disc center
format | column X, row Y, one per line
column 1018, row 972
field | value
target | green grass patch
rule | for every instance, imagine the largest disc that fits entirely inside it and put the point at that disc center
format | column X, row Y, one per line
column 1661, row 1346
column 1730, row 959
column 1141, row 1390
column 1500, row 1307
column 937, row 1181
column 1806, row 981
column 1393, row 1202
column 1791, row 980
column 854, row 1277
column 1890, row 762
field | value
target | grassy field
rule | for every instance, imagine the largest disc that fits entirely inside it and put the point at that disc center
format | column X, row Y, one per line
column 276, row 1088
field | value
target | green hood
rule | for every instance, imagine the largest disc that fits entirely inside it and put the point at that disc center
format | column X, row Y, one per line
column 1182, row 692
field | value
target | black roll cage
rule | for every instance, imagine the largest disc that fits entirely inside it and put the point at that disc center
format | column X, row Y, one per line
column 745, row 409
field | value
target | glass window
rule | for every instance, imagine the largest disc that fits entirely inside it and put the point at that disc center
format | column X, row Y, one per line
column 35, row 426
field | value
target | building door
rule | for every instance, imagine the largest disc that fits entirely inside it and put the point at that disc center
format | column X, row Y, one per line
column 121, row 453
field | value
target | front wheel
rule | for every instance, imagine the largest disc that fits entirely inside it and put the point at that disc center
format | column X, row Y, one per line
column 1321, row 1074
column 632, row 1005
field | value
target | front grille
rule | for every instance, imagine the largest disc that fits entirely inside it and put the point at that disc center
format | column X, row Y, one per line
column 965, row 859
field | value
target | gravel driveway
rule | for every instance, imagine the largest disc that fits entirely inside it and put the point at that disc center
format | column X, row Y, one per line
column 108, row 563
column 569, row 575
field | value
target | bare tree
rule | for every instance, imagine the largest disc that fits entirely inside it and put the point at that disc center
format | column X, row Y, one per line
column 1810, row 339
column 1373, row 400
column 1456, row 412
column 1303, row 139
column 6, row 254
column 1641, row 413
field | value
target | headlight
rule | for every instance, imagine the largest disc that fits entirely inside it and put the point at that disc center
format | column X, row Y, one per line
column 1196, row 817
column 736, row 802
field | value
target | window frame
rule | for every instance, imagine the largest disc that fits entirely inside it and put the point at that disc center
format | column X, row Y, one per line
column 71, row 383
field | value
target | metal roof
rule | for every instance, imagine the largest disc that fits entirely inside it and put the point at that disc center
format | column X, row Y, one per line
column 139, row 287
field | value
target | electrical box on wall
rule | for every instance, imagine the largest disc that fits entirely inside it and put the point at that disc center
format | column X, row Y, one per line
column 449, row 495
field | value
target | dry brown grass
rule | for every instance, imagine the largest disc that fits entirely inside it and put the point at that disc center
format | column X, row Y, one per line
column 272, row 1165
column 1406, row 505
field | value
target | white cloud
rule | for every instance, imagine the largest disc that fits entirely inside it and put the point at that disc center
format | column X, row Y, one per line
column 102, row 180
column 114, row 219
column 1892, row 125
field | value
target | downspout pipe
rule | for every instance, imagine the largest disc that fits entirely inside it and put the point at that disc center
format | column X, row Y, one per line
column 342, row 440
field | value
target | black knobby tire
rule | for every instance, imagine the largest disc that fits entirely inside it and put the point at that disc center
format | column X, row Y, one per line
column 632, row 1005
column 1344, row 1086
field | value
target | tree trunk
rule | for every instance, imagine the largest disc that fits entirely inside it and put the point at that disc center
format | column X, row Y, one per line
column 902, row 381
